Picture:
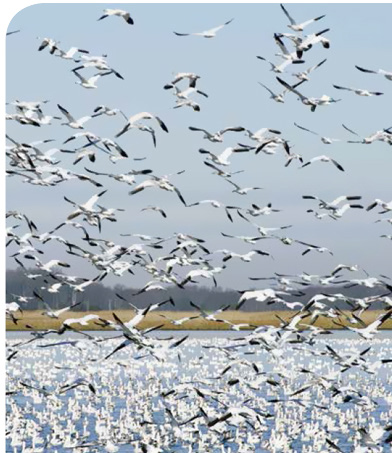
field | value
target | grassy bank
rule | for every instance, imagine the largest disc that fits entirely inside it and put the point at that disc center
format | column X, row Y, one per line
column 40, row 322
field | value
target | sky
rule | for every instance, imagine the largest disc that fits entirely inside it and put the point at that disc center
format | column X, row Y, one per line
column 147, row 54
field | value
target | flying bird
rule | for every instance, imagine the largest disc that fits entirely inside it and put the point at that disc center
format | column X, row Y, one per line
column 117, row 12
column 207, row 33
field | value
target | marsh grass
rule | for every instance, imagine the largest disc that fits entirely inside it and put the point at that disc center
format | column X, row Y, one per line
column 40, row 322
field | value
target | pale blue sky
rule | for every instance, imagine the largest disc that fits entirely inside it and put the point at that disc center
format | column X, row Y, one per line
column 147, row 54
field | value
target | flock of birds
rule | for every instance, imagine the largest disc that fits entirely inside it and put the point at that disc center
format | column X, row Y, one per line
column 274, row 389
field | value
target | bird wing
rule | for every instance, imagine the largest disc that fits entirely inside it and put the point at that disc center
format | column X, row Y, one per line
column 65, row 112
column 281, row 45
column 366, row 70
column 338, row 87
column 84, row 119
column 304, row 129
column 271, row 92
column 232, row 129
column 292, row 21
column 349, row 130
column 337, row 165
column 80, row 77
column 304, row 24
column 290, row 88
column 315, row 66
column 226, row 153
column 191, row 128
column 162, row 124
column 90, row 203
column 215, row 29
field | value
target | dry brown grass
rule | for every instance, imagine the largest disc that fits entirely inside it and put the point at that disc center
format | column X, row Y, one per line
column 40, row 322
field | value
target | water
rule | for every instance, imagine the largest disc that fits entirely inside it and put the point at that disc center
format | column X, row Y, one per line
column 129, row 406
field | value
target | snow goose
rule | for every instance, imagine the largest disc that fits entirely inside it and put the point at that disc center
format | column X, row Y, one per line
column 323, row 159
column 191, row 76
column 280, row 68
column 242, row 190
column 75, row 124
column 223, row 158
column 217, row 136
column 133, row 123
column 359, row 91
column 91, row 82
column 55, row 314
column 377, row 202
column 279, row 97
column 286, row 55
column 160, row 183
column 69, row 54
column 211, row 33
column 386, row 74
column 311, row 102
column 48, row 42
column 325, row 140
column 216, row 204
column 305, row 74
column 299, row 26
column 117, row 12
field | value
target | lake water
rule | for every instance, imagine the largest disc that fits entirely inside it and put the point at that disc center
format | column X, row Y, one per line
column 136, row 393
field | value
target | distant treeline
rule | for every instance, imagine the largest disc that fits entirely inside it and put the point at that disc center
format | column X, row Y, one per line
column 100, row 297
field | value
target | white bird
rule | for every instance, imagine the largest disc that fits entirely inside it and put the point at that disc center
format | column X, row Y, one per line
column 261, row 295
column 133, row 123
column 278, row 97
column 91, row 82
column 386, row 74
column 311, row 102
column 286, row 55
column 48, row 42
column 155, row 208
column 242, row 190
column 69, row 54
column 325, row 140
column 266, row 210
column 377, row 202
column 316, row 248
column 187, row 103
column 280, row 68
column 304, row 75
column 246, row 257
column 75, row 124
column 216, row 137
column 223, row 158
column 323, row 159
column 117, row 12
column 184, row 94
column 86, row 208
column 359, row 91
column 47, row 266
column 179, row 322
column 55, row 314
column 207, row 33
column 83, row 321
column 340, row 267
column 191, row 76
column 299, row 27
column 160, row 183
column 216, row 204
column 369, row 332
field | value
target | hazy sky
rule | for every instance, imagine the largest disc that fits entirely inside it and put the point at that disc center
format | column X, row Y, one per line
column 147, row 54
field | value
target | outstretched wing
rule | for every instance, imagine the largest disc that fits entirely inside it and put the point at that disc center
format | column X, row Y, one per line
column 65, row 112
column 292, row 21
